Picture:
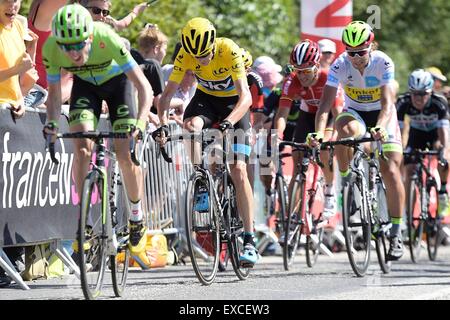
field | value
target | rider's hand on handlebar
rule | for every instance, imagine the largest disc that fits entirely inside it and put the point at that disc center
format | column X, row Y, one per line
column 51, row 128
column 160, row 134
column 313, row 139
column 225, row 125
column 379, row 133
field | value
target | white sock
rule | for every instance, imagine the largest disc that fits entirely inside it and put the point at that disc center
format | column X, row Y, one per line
column 329, row 189
column 136, row 211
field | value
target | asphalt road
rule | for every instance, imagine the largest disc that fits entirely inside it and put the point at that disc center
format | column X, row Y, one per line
column 331, row 278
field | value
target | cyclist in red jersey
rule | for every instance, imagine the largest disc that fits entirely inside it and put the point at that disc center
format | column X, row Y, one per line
column 306, row 84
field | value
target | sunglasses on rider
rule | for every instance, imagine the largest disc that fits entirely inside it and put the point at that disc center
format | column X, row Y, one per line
column 73, row 46
column 360, row 53
column 419, row 93
column 306, row 71
column 97, row 10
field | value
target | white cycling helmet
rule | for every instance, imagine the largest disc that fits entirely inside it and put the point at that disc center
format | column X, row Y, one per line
column 420, row 80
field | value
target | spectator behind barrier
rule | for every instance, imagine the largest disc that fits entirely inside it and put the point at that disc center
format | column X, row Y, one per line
column 269, row 72
column 438, row 78
column 16, row 67
column 328, row 50
column 36, row 95
column 152, row 47
column 39, row 22
column 100, row 10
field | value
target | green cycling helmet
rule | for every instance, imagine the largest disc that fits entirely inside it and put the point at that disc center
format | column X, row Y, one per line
column 71, row 24
column 357, row 33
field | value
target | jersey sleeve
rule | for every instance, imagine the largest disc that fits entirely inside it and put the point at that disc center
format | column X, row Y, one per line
column 120, row 53
column 443, row 121
column 237, row 64
column 180, row 65
column 49, row 58
column 388, row 71
column 401, row 106
column 255, row 84
column 337, row 70
column 286, row 98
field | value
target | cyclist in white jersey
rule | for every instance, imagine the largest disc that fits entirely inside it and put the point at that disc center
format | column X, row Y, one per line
column 367, row 77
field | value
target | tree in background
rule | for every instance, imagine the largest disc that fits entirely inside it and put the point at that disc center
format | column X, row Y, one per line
column 414, row 33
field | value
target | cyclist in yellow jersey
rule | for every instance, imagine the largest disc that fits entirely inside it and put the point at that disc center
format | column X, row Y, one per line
column 223, row 97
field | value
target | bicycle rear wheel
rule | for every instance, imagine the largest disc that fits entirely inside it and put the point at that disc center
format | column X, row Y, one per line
column 202, row 228
column 292, row 231
column 119, row 217
column 357, row 228
column 433, row 223
column 381, row 238
column 92, row 245
column 415, row 222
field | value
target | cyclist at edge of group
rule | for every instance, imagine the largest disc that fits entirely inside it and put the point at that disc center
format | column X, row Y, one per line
column 223, row 97
column 103, row 70
column 306, row 83
column 367, row 77
column 429, row 124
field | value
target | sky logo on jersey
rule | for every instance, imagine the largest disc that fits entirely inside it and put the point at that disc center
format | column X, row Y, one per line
column 372, row 81
column 220, row 85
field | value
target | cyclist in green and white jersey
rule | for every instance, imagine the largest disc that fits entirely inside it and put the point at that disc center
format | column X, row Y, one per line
column 367, row 77
column 103, row 69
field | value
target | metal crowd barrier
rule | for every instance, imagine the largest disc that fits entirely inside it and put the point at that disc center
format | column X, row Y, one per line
column 165, row 185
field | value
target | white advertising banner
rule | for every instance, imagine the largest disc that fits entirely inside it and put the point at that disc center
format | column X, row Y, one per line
column 325, row 19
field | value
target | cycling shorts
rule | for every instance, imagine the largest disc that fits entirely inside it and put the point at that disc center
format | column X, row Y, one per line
column 86, row 102
column 419, row 139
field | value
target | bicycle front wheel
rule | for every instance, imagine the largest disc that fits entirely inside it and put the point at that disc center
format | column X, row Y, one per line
column 381, row 239
column 357, row 228
column 292, row 231
column 119, row 220
column 280, row 205
column 415, row 222
column 236, row 229
column 316, row 233
column 92, row 250
column 202, row 228
column 433, row 223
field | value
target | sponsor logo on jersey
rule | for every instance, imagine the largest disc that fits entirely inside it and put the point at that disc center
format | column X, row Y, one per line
column 388, row 76
column 177, row 68
column 361, row 95
column 89, row 67
column 180, row 57
column 219, row 85
column 218, row 72
column 123, row 51
column 237, row 66
column 372, row 81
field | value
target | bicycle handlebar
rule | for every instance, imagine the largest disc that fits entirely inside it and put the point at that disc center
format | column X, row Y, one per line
column 93, row 135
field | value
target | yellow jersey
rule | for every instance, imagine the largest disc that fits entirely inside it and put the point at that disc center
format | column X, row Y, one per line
column 217, row 78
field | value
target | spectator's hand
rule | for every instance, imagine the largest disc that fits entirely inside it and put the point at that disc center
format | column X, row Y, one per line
column 177, row 118
column 138, row 9
column 153, row 118
column 179, row 111
column 18, row 111
column 26, row 64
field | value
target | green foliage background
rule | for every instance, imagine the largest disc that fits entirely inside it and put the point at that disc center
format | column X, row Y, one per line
column 414, row 33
